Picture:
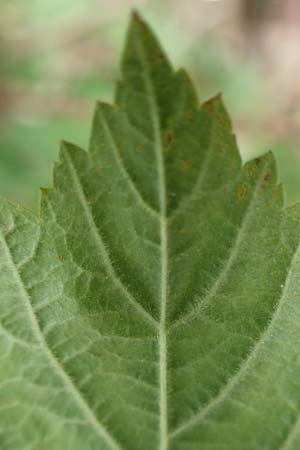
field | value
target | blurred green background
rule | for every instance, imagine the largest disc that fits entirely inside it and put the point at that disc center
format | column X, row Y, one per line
column 59, row 56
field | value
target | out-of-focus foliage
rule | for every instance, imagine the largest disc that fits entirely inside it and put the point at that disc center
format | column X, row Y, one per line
column 58, row 57
column 27, row 153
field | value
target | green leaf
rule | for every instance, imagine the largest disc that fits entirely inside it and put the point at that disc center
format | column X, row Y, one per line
column 153, row 304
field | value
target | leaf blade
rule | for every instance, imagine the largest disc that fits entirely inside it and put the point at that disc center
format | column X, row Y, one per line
column 160, row 278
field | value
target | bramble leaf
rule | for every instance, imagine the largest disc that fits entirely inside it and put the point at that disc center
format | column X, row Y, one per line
column 154, row 303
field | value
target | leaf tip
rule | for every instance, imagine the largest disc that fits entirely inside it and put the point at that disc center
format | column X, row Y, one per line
column 138, row 24
column 44, row 193
column 66, row 147
column 214, row 102
column 102, row 106
column 269, row 158
column 135, row 16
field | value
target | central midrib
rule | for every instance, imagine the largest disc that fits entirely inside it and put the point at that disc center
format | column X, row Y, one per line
column 164, row 440
column 163, row 292
column 162, row 338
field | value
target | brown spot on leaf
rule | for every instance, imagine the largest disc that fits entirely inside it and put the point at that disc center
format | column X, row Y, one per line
column 257, row 161
column 253, row 167
column 188, row 115
column 241, row 192
column 209, row 106
column 169, row 140
column 186, row 165
column 136, row 17
column 188, row 81
column 268, row 177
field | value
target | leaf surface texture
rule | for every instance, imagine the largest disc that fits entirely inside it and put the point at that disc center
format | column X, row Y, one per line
column 154, row 303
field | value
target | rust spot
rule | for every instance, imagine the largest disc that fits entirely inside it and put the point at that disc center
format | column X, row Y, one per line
column 257, row 161
column 253, row 167
column 249, row 173
column 136, row 17
column 209, row 106
column 267, row 177
column 169, row 140
column 186, row 165
column 161, row 56
column 241, row 192
column 189, row 81
column 188, row 115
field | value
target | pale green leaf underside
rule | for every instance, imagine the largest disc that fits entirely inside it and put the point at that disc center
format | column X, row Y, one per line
column 154, row 304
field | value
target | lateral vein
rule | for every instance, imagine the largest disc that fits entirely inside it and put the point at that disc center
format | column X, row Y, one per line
column 233, row 382
column 122, row 167
column 227, row 265
column 55, row 363
column 99, row 241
